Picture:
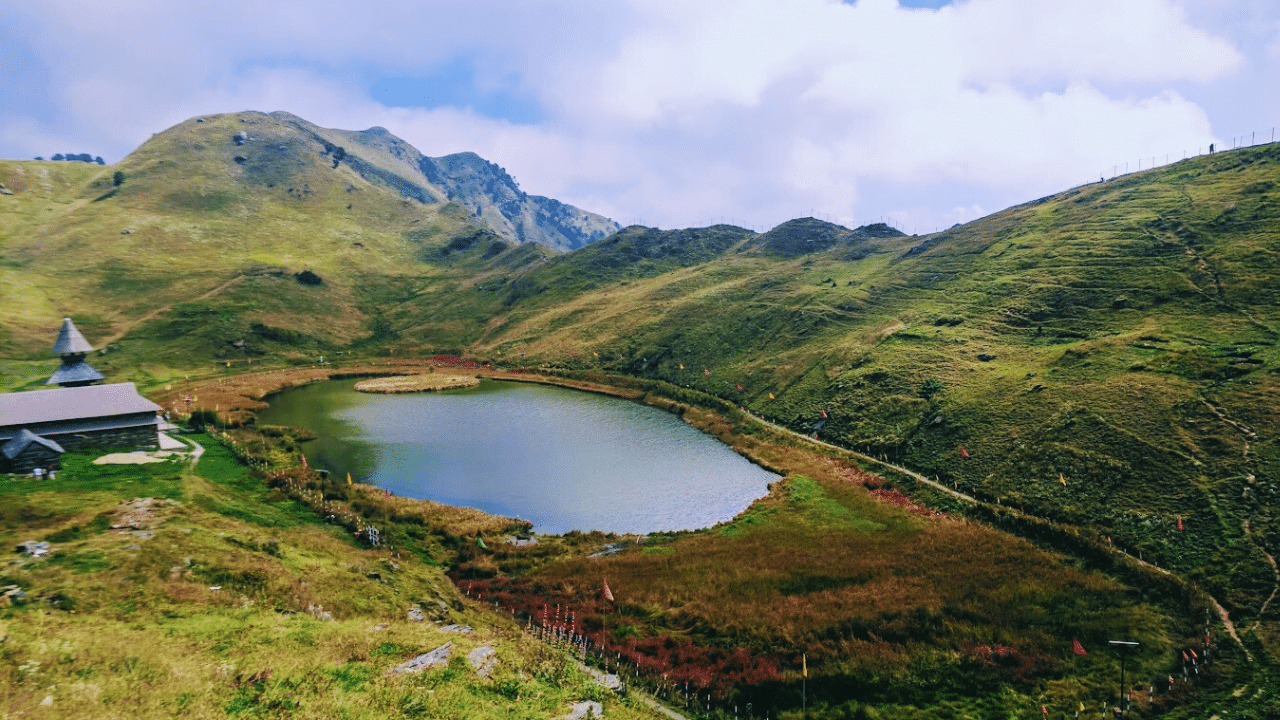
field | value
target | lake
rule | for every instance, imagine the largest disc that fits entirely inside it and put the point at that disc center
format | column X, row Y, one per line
column 563, row 459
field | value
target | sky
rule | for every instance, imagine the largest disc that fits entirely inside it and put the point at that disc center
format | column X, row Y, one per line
column 920, row 113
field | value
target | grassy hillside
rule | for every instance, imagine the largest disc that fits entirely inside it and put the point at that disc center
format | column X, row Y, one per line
column 1104, row 358
column 216, row 598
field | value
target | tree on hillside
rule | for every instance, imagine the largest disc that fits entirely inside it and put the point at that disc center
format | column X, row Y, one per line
column 117, row 179
column 56, row 157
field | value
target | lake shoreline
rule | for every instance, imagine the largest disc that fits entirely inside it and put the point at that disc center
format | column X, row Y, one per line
column 238, row 397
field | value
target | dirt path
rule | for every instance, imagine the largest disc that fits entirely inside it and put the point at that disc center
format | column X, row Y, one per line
column 605, row 680
column 1227, row 624
column 1275, row 571
column 129, row 326
column 196, row 451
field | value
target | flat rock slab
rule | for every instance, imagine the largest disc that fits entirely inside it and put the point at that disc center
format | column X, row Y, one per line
column 579, row 710
column 126, row 459
column 464, row 629
column 436, row 658
column 482, row 659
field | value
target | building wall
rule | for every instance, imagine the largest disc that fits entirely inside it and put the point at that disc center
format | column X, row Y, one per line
column 34, row 456
column 141, row 437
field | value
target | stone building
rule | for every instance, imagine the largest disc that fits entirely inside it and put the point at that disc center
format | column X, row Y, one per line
column 38, row 425
column 27, row 451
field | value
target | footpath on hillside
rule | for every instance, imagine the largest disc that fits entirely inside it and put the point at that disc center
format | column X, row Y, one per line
column 1221, row 611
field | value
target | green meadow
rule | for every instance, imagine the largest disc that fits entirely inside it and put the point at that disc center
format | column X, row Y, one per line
column 1098, row 369
column 231, row 601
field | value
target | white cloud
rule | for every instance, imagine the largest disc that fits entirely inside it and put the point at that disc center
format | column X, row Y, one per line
column 760, row 110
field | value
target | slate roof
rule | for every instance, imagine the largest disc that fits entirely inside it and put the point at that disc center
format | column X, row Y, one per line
column 74, row 372
column 90, row 401
column 14, row 447
column 70, row 340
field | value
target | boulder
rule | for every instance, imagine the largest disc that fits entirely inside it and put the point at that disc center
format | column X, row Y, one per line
column 436, row 658
column 482, row 660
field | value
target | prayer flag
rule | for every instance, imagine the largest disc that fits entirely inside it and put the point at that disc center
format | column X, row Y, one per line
column 480, row 543
column 1184, row 657
column 304, row 461
column 681, row 366
column 348, row 479
column 706, row 372
column 1062, row 480
column 1193, row 653
column 1077, row 648
column 1179, row 523
column 964, row 453
column 804, row 665
column 608, row 594
column 1081, row 708
column 1044, row 710
column 739, row 387
column 771, row 396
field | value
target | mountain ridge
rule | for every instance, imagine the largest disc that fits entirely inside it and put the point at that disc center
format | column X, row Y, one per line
column 1107, row 357
column 484, row 188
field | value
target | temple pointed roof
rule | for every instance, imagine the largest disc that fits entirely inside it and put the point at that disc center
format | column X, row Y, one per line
column 70, row 340
column 74, row 371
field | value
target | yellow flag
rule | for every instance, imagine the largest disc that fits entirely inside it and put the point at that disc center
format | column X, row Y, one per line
column 681, row 366
column 348, row 479
column 804, row 665
column 1081, row 707
column 771, row 396
column 1062, row 480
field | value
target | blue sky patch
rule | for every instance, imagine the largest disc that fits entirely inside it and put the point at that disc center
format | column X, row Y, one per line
column 456, row 84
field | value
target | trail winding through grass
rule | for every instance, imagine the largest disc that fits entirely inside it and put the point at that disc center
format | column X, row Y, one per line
column 1221, row 611
column 128, row 327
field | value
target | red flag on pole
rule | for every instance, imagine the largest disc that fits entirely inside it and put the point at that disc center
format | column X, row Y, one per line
column 1184, row 657
column 1179, row 523
column 608, row 594
column 1077, row 648
column 706, row 372
column 964, row 453
column 304, row 464
column 739, row 388
column 824, row 414
column 1044, row 710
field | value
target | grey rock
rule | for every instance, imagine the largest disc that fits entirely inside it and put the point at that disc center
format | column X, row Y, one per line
column 580, row 709
column 425, row 661
column 482, row 659
column 34, row 548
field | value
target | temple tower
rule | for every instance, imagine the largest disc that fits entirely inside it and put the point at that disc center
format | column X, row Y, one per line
column 74, row 371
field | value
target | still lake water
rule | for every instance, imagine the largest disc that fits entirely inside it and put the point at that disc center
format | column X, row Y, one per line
column 563, row 459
